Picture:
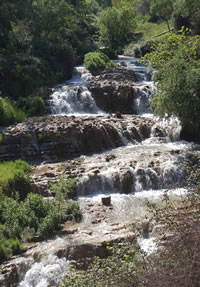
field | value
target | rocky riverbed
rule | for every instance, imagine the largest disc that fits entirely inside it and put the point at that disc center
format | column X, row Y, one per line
column 125, row 157
column 55, row 138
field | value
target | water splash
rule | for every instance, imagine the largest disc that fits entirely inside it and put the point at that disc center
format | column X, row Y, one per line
column 42, row 267
column 73, row 100
column 143, row 98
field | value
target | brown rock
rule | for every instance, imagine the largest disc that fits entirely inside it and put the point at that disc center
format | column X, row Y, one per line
column 106, row 200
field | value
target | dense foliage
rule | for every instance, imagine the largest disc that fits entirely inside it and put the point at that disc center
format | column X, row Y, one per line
column 116, row 26
column 94, row 61
column 24, row 214
column 10, row 113
column 122, row 268
column 177, row 59
column 40, row 41
column 14, row 178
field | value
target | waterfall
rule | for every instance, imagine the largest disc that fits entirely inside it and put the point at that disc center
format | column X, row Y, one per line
column 73, row 100
column 74, row 97
column 143, row 98
column 148, row 161
column 47, row 267
column 134, row 168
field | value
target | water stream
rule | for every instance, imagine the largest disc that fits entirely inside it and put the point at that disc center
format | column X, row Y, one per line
column 129, row 174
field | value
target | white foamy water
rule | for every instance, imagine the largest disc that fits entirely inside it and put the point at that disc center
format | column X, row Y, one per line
column 42, row 267
column 45, row 273
column 73, row 100
column 127, row 208
column 148, row 245
column 134, row 168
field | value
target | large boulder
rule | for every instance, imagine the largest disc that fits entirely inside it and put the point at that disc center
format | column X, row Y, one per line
column 113, row 89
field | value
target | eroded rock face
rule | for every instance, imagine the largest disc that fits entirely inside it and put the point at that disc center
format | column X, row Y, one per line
column 113, row 90
column 60, row 137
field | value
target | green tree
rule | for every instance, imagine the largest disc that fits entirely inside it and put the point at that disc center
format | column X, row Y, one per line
column 40, row 41
column 116, row 26
column 187, row 14
column 162, row 9
column 177, row 58
column 143, row 6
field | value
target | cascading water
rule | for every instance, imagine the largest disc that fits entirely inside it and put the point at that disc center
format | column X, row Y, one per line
column 73, row 100
column 129, row 174
column 47, row 269
column 143, row 97
column 74, row 97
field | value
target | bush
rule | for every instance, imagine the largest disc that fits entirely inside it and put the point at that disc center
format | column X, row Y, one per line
column 14, row 245
column 14, row 178
column 122, row 268
column 110, row 53
column 139, row 50
column 33, row 106
column 94, row 61
column 5, row 252
column 40, row 216
column 73, row 211
column 10, row 113
column 64, row 189
column 176, row 57
column 51, row 222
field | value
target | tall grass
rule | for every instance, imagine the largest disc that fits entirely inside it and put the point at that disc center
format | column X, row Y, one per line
column 10, row 113
column 150, row 30
column 13, row 177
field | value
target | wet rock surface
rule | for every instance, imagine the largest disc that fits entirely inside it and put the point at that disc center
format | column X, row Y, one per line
column 113, row 90
column 123, row 170
column 55, row 138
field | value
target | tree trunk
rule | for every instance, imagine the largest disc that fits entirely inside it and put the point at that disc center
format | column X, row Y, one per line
column 168, row 25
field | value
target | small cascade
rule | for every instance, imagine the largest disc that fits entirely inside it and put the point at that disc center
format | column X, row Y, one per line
column 131, row 180
column 143, row 73
column 71, row 99
column 172, row 127
column 143, row 98
column 137, row 168
column 148, row 243
column 46, row 268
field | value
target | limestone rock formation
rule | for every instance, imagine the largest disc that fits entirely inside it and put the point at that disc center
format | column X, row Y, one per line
column 60, row 137
column 113, row 90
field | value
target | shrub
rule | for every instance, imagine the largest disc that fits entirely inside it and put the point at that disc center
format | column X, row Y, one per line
column 94, row 61
column 38, row 215
column 5, row 252
column 14, row 178
column 64, row 188
column 73, row 211
column 139, row 50
column 176, row 57
column 14, row 245
column 10, row 113
column 122, row 268
column 8, row 248
column 109, row 52
column 51, row 222
column 33, row 106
